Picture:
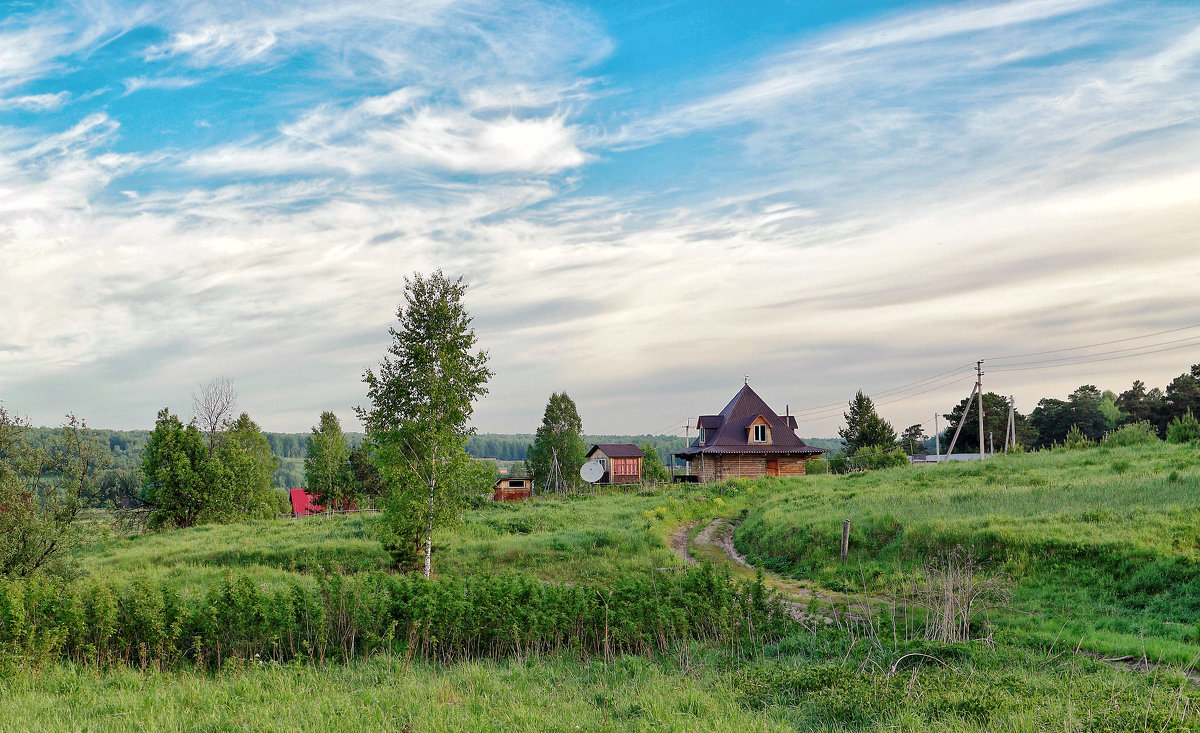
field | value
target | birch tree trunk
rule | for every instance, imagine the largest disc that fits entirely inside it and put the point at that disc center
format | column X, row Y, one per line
column 429, row 531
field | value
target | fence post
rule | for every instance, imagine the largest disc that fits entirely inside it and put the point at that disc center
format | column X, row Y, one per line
column 845, row 539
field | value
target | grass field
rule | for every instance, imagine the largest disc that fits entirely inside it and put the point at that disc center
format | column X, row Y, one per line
column 1101, row 545
column 592, row 538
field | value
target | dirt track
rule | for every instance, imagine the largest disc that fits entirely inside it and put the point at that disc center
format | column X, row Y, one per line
column 715, row 543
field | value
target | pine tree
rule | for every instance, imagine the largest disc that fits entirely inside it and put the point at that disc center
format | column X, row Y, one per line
column 864, row 427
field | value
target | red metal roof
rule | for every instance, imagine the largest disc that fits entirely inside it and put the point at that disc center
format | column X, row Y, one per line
column 732, row 432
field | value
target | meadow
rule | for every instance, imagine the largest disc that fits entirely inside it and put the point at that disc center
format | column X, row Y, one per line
column 613, row 633
column 1102, row 543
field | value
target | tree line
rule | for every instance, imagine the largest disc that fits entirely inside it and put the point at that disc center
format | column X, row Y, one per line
column 1086, row 414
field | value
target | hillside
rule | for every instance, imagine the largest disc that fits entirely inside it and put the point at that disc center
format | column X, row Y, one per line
column 1101, row 542
column 1099, row 545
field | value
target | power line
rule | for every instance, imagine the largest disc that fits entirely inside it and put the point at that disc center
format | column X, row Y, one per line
column 886, row 392
column 1091, row 361
column 1090, row 346
column 1194, row 340
column 830, row 413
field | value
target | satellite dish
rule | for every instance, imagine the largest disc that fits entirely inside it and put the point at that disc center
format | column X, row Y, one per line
column 591, row 472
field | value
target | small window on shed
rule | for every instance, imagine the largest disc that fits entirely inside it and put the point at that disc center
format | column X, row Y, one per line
column 760, row 433
column 517, row 483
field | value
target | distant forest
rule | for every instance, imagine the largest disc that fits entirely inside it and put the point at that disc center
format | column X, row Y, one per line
column 121, row 478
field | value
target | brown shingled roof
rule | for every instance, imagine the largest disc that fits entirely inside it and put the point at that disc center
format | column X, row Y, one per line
column 732, row 430
column 617, row 450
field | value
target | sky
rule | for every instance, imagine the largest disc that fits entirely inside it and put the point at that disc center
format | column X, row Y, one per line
column 651, row 202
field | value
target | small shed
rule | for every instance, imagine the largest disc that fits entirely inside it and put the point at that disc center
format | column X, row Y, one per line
column 512, row 488
column 304, row 503
column 622, row 462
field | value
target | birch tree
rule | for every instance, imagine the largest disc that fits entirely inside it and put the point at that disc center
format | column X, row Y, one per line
column 327, row 465
column 422, row 396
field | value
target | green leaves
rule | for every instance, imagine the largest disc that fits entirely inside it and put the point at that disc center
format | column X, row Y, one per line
column 327, row 466
column 864, row 427
column 186, row 485
column 561, row 435
column 422, row 397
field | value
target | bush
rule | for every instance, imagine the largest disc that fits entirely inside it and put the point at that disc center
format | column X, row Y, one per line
column 875, row 458
column 816, row 466
column 1076, row 440
column 346, row 617
column 1134, row 433
column 839, row 464
column 1184, row 429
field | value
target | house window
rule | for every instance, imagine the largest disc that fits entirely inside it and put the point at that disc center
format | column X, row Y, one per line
column 760, row 433
column 701, row 437
column 516, row 484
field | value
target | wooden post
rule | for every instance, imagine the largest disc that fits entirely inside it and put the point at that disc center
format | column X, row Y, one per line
column 845, row 539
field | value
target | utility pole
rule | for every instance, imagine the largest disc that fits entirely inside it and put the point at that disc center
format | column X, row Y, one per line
column 937, row 439
column 1012, row 420
column 962, row 420
column 991, row 443
column 687, row 440
column 979, row 391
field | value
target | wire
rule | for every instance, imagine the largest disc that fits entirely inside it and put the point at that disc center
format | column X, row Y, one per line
column 1090, row 346
column 831, row 413
column 1090, row 361
column 886, row 392
column 1194, row 340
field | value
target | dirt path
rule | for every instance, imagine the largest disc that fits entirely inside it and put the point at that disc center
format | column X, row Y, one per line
column 678, row 541
column 715, row 543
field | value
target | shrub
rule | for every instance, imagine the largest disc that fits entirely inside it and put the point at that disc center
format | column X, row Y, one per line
column 1184, row 429
column 1076, row 440
column 839, row 464
column 816, row 466
column 1134, row 433
column 875, row 458
column 346, row 617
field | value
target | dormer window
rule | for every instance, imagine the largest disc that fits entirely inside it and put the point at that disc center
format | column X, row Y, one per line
column 700, row 436
column 760, row 433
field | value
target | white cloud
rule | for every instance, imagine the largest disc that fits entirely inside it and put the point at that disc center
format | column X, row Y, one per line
column 913, row 200
column 138, row 83
column 398, row 129
column 36, row 102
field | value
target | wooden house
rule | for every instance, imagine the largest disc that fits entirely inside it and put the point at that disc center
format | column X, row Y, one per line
column 512, row 488
column 746, row 439
column 622, row 462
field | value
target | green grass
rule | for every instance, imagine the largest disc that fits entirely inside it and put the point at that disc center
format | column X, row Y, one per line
column 380, row 695
column 1103, row 544
column 826, row 682
column 272, row 550
column 575, row 539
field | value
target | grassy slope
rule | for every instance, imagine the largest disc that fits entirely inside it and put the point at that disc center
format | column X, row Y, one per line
column 577, row 539
column 1104, row 543
column 1090, row 500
